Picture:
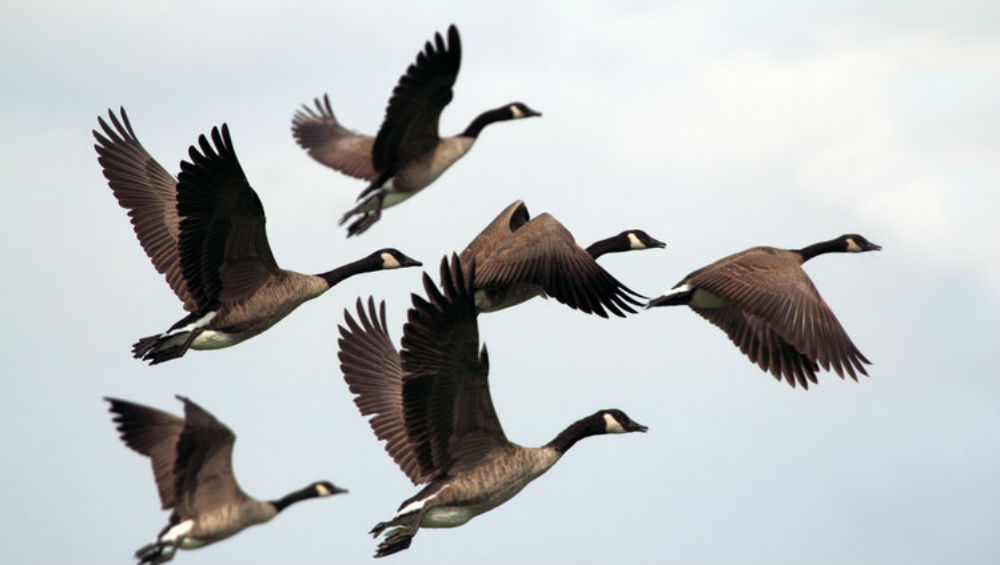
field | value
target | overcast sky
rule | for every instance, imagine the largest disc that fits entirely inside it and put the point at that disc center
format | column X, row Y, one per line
column 713, row 127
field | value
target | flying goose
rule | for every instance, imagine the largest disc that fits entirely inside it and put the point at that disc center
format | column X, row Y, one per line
column 519, row 257
column 771, row 310
column 431, row 405
column 192, row 464
column 205, row 232
column 407, row 154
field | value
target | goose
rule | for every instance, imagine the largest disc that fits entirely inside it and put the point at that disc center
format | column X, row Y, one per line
column 769, row 307
column 193, row 468
column 431, row 405
column 407, row 154
column 205, row 232
column 519, row 257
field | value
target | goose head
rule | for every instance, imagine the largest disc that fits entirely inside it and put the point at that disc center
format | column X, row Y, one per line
column 518, row 110
column 617, row 422
column 391, row 258
column 854, row 243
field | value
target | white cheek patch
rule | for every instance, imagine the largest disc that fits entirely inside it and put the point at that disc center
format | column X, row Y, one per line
column 389, row 262
column 611, row 425
column 634, row 243
column 852, row 245
column 322, row 490
column 516, row 112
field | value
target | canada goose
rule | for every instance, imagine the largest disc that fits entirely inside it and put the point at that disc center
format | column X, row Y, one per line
column 519, row 257
column 407, row 154
column 205, row 232
column 771, row 310
column 431, row 404
column 193, row 467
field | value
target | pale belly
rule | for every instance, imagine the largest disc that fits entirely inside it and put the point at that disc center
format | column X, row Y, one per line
column 237, row 333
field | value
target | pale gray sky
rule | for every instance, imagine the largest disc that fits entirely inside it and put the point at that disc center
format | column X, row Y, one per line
column 714, row 127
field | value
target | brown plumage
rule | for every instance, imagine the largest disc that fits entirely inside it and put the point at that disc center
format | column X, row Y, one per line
column 431, row 404
column 519, row 257
column 408, row 153
column 206, row 233
column 192, row 465
column 769, row 307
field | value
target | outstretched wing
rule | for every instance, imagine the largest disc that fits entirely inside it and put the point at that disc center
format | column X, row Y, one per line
column 410, row 127
column 764, row 346
column 152, row 433
column 225, row 255
column 448, row 410
column 543, row 252
column 149, row 193
column 374, row 373
column 511, row 219
column 203, row 471
column 318, row 132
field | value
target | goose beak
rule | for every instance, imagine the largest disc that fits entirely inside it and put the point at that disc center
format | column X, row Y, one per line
column 656, row 243
column 873, row 247
column 635, row 427
column 408, row 262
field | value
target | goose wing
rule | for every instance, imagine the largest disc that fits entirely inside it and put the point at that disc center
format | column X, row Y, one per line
column 763, row 345
column 374, row 374
column 449, row 414
column 321, row 135
column 543, row 252
column 149, row 193
column 225, row 255
column 203, row 472
column 512, row 218
column 152, row 433
column 410, row 127
column 769, row 284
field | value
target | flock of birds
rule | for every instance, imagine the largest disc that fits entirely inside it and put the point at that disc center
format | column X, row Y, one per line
column 429, row 401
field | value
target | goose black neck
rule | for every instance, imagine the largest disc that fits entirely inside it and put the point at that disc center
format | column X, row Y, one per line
column 834, row 245
column 589, row 426
column 349, row 270
column 293, row 497
column 486, row 118
column 609, row 245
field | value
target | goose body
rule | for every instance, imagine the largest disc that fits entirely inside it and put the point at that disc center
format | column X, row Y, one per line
column 192, row 465
column 408, row 153
column 771, row 310
column 519, row 257
column 431, row 404
column 206, row 232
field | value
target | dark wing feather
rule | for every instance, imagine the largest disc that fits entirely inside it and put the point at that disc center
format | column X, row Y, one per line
column 318, row 132
column 203, row 471
column 543, row 252
column 149, row 193
column 410, row 127
column 758, row 341
column 152, row 433
column 769, row 284
column 448, row 411
column 373, row 372
column 225, row 255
